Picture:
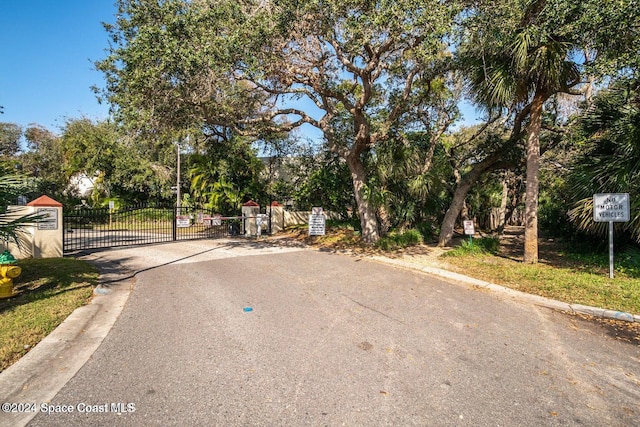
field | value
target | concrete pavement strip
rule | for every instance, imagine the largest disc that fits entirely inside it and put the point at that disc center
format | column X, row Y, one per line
column 38, row 376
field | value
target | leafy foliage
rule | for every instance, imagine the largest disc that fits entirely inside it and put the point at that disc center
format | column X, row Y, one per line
column 43, row 162
column 10, row 134
column 322, row 180
column 485, row 245
column 12, row 222
column 609, row 135
column 376, row 78
column 126, row 168
column 247, row 65
column 227, row 175
column 398, row 240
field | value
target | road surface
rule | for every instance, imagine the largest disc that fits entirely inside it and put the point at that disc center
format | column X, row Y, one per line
column 240, row 333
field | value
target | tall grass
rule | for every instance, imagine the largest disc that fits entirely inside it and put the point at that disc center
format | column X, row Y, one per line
column 398, row 240
column 482, row 246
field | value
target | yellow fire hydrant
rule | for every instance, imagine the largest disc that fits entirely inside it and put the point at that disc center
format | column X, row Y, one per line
column 8, row 272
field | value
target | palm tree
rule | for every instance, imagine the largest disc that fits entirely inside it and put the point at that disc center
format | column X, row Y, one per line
column 225, row 174
column 519, row 64
column 609, row 133
column 12, row 224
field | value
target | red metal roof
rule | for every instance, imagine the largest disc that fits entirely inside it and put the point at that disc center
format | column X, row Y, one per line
column 44, row 201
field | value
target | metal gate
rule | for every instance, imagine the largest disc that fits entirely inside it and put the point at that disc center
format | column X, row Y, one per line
column 97, row 228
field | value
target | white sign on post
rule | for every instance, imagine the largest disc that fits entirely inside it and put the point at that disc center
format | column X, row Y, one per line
column 468, row 228
column 611, row 207
column 316, row 222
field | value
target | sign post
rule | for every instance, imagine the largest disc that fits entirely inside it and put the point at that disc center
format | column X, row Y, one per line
column 469, row 230
column 611, row 207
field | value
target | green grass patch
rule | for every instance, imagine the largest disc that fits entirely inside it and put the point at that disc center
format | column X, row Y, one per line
column 574, row 280
column 626, row 260
column 48, row 290
column 399, row 240
column 482, row 246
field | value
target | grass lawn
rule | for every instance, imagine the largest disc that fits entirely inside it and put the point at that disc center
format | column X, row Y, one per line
column 48, row 290
column 568, row 280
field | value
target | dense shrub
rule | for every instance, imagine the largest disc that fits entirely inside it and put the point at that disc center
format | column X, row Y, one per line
column 397, row 240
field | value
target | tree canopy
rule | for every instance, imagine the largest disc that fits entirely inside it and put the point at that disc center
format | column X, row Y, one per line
column 381, row 80
column 260, row 67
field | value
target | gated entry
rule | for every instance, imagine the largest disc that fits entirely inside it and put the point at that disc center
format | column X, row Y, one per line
column 140, row 225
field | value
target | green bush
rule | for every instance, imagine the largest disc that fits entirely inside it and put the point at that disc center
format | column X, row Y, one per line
column 395, row 240
column 428, row 230
column 485, row 245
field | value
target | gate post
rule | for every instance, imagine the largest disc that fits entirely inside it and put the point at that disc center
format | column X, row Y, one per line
column 47, row 233
column 276, row 216
column 174, row 224
column 42, row 239
column 250, row 211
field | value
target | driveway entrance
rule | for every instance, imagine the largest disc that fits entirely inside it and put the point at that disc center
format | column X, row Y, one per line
column 241, row 333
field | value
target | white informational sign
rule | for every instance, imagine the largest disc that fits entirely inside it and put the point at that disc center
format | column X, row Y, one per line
column 216, row 220
column 49, row 220
column 183, row 221
column 611, row 207
column 316, row 225
column 469, row 230
column 112, row 204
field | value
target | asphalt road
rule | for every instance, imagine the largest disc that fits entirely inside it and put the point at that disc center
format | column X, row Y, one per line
column 337, row 340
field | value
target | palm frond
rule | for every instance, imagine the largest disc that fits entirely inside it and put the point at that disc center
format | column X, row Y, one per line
column 13, row 225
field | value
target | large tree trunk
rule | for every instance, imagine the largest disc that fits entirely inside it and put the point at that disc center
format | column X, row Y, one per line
column 531, row 192
column 502, row 219
column 492, row 162
column 449, row 222
column 368, row 220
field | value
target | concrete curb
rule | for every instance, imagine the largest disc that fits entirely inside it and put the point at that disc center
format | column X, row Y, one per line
column 534, row 299
column 40, row 374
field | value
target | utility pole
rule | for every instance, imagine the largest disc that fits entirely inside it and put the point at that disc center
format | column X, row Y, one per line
column 178, row 181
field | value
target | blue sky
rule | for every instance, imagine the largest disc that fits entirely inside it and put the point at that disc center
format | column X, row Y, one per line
column 46, row 60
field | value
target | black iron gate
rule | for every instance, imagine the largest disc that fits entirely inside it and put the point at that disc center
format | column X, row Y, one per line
column 95, row 228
